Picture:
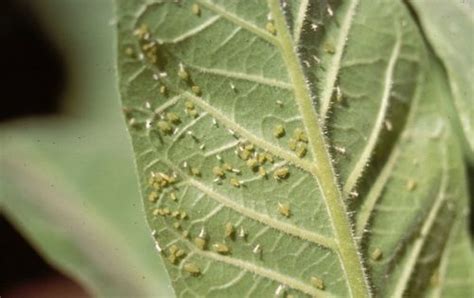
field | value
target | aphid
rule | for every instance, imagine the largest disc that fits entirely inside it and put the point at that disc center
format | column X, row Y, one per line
column 218, row 157
column 185, row 234
column 218, row 172
column 300, row 135
column 196, row 90
column 329, row 48
column 183, row 215
column 172, row 258
column 193, row 113
column 252, row 163
column 173, row 118
column 153, row 197
column 195, row 172
column 235, row 182
column 141, row 31
column 185, row 164
column 229, row 230
column 411, row 185
column 214, row 122
column 202, row 147
column 284, row 209
column 177, row 225
column 376, row 254
column 175, row 214
column 292, row 143
column 301, row 149
column 192, row 269
column 182, row 73
column 281, row 173
column 173, row 249
column 180, row 253
column 166, row 211
column 262, row 172
column 317, row 282
column 261, row 158
column 173, row 196
column 270, row 27
column 278, row 131
column 200, row 243
column 227, row 167
column 165, row 127
column 306, row 63
column 244, row 154
column 189, row 105
column 221, row 248
column 196, row 9
column 129, row 51
column 163, row 90
column 268, row 157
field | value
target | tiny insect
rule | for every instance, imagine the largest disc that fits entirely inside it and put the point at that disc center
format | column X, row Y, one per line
column 185, row 234
column 196, row 90
column 278, row 131
column 329, row 48
column 281, row 173
column 270, row 26
column 242, row 233
column 153, row 197
column 200, row 243
column 202, row 146
column 317, row 282
column 163, row 90
column 221, row 248
column 235, row 182
column 195, row 172
column 180, row 253
column 376, row 254
column 262, row 172
column 173, row 196
column 227, row 167
column 301, row 149
column 182, row 73
column 173, row 118
column 218, row 172
column 284, row 209
column 183, row 215
column 411, row 185
column 252, row 163
column 192, row 269
column 177, row 225
column 196, row 9
column 165, row 127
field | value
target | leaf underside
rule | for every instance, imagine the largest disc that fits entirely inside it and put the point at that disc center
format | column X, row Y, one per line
column 344, row 96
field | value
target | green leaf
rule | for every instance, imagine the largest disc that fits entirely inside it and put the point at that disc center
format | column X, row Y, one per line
column 67, row 182
column 449, row 27
column 365, row 177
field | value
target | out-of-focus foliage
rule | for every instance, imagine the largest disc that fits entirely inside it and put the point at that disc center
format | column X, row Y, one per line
column 68, row 182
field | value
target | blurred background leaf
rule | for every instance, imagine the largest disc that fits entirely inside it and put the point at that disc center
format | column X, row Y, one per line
column 449, row 27
column 67, row 181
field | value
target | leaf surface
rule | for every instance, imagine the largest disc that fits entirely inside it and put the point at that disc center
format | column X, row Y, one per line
column 212, row 89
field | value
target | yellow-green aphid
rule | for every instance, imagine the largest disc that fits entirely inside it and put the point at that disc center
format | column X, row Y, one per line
column 261, row 158
column 235, row 182
column 281, row 173
column 244, row 154
column 218, row 172
column 180, row 253
column 165, row 127
column 193, row 113
column 284, row 209
column 173, row 249
column 185, row 234
column 196, row 9
column 249, row 147
column 301, row 149
column 221, row 248
column 173, row 118
column 376, row 254
column 200, row 243
column 153, row 196
column 166, row 211
column 172, row 258
column 227, row 167
column 173, row 196
column 175, row 214
column 278, row 131
column 317, row 282
column 182, row 73
column 229, row 230
column 262, row 172
column 270, row 27
column 292, row 144
column 192, row 269
column 252, row 163
column 129, row 51
column 195, row 172
column 329, row 48
column 177, row 225
column 196, row 90
column 163, row 90
column 300, row 135
column 269, row 157
column 189, row 105
column 183, row 215
column 411, row 185
column 142, row 31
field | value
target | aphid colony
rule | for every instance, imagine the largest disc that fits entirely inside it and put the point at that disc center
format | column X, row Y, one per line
column 298, row 143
